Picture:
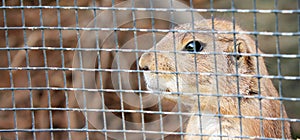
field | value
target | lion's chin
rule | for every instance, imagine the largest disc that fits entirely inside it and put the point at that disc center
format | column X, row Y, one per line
column 158, row 85
column 151, row 88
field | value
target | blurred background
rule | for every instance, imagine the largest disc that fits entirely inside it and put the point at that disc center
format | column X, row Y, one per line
column 35, row 99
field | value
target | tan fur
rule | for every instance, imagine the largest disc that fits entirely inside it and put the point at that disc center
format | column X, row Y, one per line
column 207, row 83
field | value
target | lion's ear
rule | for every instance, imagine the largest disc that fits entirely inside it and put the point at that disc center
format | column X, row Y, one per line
column 241, row 59
column 237, row 49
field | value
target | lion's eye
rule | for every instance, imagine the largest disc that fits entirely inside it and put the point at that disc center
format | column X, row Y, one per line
column 193, row 46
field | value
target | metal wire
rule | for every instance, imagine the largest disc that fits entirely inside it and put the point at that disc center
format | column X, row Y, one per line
column 125, row 129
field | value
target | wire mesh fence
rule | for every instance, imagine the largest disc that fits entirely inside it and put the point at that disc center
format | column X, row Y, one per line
column 149, row 69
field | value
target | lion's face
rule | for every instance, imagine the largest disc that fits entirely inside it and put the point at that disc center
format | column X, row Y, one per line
column 181, row 62
column 188, row 62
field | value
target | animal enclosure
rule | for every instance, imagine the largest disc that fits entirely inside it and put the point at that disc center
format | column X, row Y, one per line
column 77, row 69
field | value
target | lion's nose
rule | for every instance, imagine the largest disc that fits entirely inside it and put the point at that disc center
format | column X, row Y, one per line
column 145, row 61
column 145, row 68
